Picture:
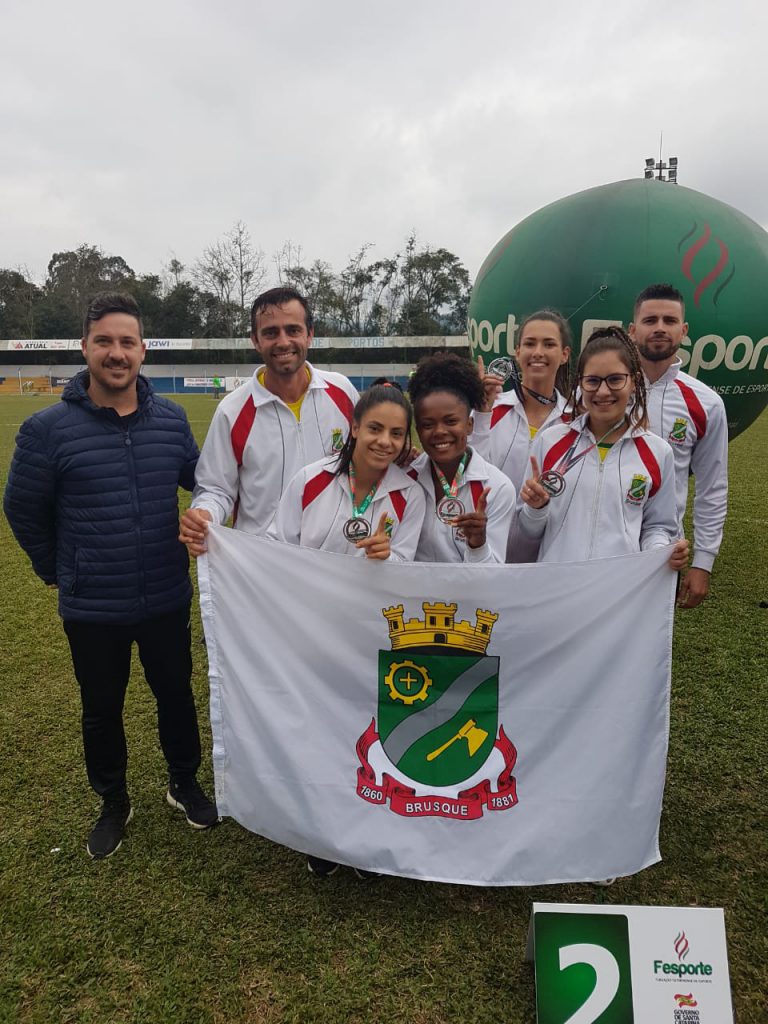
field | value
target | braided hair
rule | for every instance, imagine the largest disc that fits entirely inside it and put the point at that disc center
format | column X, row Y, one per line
column 447, row 371
column 614, row 339
column 376, row 395
column 563, row 376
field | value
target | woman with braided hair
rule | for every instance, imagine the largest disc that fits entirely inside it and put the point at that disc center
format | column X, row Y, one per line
column 469, row 502
column 603, row 485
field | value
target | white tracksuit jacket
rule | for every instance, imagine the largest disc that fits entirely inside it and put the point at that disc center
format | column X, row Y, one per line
column 691, row 417
column 503, row 438
column 316, row 505
column 623, row 504
column 255, row 446
column 438, row 542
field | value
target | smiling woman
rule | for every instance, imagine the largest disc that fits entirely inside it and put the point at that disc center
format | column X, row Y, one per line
column 469, row 502
column 510, row 420
column 603, row 485
column 359, row 502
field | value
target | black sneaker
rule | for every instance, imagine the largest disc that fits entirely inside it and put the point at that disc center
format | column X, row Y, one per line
column 107, row 834
column 321, row 868
column 188, row 797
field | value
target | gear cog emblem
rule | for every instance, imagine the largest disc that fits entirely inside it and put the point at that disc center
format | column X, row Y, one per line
column 407, row 682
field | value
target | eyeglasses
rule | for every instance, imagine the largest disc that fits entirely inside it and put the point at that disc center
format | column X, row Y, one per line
column 615, row 382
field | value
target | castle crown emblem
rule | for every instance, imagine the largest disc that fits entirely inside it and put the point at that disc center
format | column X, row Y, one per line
column 439, row 628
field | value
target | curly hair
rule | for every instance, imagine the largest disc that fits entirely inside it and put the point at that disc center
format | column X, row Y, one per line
column 614, row 339
column 446, row 371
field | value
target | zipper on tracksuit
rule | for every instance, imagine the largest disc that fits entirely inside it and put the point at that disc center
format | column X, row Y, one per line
column 596, row 504
column 300, row 438
column 128, row 441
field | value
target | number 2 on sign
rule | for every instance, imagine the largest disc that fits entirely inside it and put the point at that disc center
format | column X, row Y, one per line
column 607, row 975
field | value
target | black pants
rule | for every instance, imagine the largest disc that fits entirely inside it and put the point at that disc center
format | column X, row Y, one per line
column 101, row 656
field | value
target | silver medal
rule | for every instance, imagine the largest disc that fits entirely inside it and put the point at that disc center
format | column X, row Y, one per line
column 448, row 508
column 552, row 482
column 503, row 368
column 356, row 529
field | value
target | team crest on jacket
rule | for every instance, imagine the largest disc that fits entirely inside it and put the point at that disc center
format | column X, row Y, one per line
column 337, row 439
column 637, row 489
column 679, row 431
column 436, row 746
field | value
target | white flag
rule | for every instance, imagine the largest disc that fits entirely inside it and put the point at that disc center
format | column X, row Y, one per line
column 492, row 725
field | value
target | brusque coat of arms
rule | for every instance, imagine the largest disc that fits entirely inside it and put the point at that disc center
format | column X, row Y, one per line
column 436, row 746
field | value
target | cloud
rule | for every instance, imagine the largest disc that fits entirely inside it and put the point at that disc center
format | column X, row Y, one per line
column 154, row 128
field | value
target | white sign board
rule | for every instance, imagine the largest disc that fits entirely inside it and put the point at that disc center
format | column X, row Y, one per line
column 629, row 965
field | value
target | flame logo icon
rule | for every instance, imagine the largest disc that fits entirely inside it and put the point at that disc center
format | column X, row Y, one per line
column 681, row 946
column 683, row 1000
column 690, row 255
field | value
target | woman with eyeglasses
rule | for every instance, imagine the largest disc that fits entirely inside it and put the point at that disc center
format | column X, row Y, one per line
column 603, row 485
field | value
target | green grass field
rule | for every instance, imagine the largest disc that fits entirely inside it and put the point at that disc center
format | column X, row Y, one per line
column 223, row 926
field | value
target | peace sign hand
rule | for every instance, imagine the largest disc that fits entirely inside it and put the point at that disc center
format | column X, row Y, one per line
column 492, row 386
column 379, row 545
column 473, row 524
column 532, row 492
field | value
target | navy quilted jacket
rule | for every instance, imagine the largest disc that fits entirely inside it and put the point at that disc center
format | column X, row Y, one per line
column 92, row 499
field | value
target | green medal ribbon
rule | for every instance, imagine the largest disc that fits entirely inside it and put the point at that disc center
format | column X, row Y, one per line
column 452, row 489
column 359, row 510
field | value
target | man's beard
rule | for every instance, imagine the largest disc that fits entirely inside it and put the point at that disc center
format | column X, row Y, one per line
column 657, row 355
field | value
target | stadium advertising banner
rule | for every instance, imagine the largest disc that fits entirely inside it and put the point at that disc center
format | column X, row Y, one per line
column 50, row 345
column 481, row 724
column 182, row 344
column 629, row 965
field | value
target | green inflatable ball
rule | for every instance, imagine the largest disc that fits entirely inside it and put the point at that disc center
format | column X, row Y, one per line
column 590, row 254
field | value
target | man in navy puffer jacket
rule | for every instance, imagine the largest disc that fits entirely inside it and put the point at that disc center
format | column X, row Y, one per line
column 92, row 499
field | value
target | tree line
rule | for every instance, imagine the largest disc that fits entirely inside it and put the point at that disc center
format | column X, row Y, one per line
column 420, row 290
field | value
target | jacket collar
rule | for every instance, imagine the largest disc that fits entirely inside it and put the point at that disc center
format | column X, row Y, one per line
column 510, row 398
column 261, row 395
column 76, row 390
column 668, row 376
column 395, row 479
column 580, row 426
column 476, row 470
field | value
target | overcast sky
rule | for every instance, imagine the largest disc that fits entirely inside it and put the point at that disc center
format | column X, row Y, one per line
column 148, row 129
